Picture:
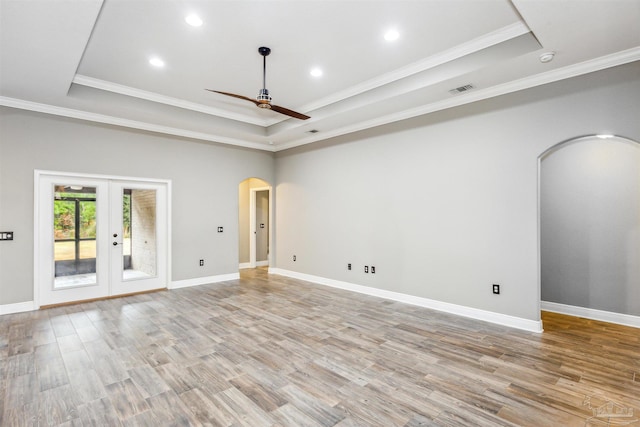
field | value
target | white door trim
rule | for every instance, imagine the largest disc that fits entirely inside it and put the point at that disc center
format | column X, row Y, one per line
column 39, row 174
column 252, row 224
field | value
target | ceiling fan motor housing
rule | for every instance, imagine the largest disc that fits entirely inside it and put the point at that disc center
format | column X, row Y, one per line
column 264, row 99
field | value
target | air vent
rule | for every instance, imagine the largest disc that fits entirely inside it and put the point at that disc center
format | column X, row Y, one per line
column 461, row 89
column 313, row 131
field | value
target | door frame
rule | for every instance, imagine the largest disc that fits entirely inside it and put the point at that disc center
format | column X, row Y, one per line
column 252, row 225
column 37, row 211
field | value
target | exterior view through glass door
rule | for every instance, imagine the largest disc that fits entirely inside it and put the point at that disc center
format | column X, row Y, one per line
column 98, row 237
column 74, row 234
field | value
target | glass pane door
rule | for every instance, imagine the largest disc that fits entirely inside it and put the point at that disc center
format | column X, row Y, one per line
column 98, row 237
column 73, row 254
column 139, row 236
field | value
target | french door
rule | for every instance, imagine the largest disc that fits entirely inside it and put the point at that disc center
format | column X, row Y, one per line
column 98, row 237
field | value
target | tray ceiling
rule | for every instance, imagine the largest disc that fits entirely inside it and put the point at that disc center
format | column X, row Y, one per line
column 90, row 60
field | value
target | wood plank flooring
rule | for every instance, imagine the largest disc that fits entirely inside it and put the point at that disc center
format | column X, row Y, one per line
column 272, row 351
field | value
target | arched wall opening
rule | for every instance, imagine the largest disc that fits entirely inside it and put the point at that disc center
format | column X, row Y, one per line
column 254, row 223
column 589, row 213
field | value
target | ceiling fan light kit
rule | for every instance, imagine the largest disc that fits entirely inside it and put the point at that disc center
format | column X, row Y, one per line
column 263, row 100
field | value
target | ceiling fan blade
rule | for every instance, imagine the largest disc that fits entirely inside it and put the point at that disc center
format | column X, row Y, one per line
column 235, row 96
column 288, row 112
column 264, row 100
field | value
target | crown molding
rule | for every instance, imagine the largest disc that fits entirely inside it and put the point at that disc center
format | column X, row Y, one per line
column 619, row 58
column 133, row 124
column 82, row 80
column 501, row 35
column 490, row 39
column 608, row 61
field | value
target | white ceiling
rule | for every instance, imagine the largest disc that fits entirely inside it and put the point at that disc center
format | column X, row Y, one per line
column 88, row 59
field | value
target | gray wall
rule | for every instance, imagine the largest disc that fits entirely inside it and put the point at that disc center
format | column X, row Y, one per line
column 205, row 188
column 446, row 204
column 590, row 225
column 443, row 205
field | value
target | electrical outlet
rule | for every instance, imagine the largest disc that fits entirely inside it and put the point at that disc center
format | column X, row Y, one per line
column 349, row 266
column 366, row 268
column 294, row 257
column 201, row 262
column 6, row 235
column 373, row 270
column 496, row 289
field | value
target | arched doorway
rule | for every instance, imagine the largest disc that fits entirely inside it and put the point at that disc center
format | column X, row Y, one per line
column 589, row 218
column 254, row 223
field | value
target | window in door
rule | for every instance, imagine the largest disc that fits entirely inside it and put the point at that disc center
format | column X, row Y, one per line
column 74, row 235
column 138, row 233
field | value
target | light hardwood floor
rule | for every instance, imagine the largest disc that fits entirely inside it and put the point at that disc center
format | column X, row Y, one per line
column 273, row 351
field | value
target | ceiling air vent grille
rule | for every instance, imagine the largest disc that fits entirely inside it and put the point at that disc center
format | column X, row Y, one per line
column 461, row 89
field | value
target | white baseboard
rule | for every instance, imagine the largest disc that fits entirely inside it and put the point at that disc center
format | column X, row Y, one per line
column 244, row 265
column 18, row 307
column 591, row 313
column 460, row 310
column 30, row 305
column 177, row 284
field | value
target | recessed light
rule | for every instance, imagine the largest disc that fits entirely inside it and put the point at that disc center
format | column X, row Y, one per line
column 193, row 20
column 391, row 35
column 156, row 62
column 605, row 136
column 316, row 72
column 547, row 57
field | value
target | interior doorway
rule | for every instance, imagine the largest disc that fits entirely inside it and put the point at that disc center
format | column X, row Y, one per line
column 99, row 236
column 255, row 225
column 589, row 222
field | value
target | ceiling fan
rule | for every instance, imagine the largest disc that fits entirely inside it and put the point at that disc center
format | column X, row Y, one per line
column 264, row 100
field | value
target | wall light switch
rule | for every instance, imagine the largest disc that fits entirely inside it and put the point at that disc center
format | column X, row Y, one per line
column 220, row 229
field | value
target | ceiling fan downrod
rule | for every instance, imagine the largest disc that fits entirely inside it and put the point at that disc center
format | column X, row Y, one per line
column 264, row 100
